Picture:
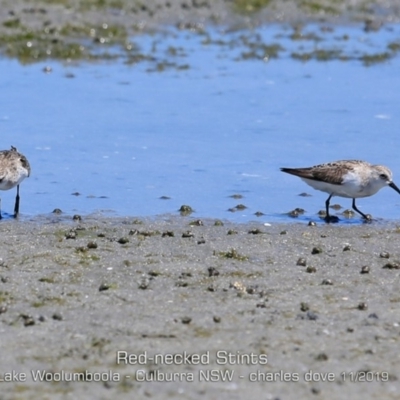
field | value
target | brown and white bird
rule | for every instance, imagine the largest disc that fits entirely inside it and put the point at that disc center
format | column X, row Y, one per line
column 348, row 178
column 14, row 168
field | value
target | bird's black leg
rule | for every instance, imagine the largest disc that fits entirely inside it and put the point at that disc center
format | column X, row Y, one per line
column 0, row 208
column 366, row 217
column 330, row 218
column 16, row 207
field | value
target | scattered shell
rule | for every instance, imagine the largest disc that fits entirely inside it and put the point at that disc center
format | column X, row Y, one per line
column 216, row 319
column 232, row 232
column 312, row 223
column 238, row 286
column 311, row 269
column 186, row 320
column 326, row 282
column 57, row 316
column 201, row 241
column 384, row 254
column 347, row 247
column 218, row 223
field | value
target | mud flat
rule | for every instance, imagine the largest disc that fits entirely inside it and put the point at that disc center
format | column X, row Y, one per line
column 90, row 30
column 114, row 308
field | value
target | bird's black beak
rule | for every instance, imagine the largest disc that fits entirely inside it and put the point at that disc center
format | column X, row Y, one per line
column 393, row 186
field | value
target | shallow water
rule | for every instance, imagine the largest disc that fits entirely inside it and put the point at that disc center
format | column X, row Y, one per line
column 214, row 124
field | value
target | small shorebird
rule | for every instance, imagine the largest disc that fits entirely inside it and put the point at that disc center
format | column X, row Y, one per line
column 349, row 178
column 14, row 168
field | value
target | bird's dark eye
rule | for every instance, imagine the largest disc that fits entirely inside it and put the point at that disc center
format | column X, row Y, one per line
column 383, row 176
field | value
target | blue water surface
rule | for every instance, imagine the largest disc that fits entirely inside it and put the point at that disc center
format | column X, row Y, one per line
column 121, row 137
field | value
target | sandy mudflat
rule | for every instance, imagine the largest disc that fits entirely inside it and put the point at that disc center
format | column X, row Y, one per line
column 225, row 298
column 201, row 300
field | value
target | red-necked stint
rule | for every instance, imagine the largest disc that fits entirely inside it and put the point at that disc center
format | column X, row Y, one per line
column 14, row 168
column 348, row 178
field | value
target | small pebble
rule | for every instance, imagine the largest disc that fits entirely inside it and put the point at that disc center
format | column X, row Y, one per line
column 185, row 210
column 186, row 320
column 365, row 269
column 212, row 271
column 255, row 231
column 198, row 222
column 321, row 357
column 144, row 283
column 347, row 247
column 77, row 217
column 57, row 211
column 311, row 316
column 123, row 240
column 384, row 254
column 168, row 234
column 216, row 319
column 302, row 262
column 57, row 316
column 326, row 282
column 362, row 306
column 304, row 306
column 187, row 234
column 104, row 286
column 92, row 245
column 311, row 269
column 316, row 250
column 70, row 235
column 391, row 265
column 312, row 223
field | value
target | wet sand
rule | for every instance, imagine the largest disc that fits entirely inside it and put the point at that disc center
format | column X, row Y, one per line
column 173, row 308
column 148, row 307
